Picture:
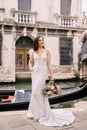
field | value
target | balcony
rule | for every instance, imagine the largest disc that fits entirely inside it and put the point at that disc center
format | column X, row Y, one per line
column 2, row 10
column 66, row 21
column 25, row 17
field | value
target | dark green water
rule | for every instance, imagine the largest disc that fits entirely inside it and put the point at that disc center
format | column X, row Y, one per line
column 68, row 104
column 27, row 85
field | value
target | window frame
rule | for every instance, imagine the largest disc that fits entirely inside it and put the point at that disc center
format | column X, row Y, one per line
column 65, row 7
column 23, row 5
column 66, row 51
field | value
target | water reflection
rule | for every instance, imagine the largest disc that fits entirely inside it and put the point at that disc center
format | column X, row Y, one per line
column 17, row 85
column 68, row 104
column 27, row 84
column 69, row 83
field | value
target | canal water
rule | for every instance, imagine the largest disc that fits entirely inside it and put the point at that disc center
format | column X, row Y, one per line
column 26, row 84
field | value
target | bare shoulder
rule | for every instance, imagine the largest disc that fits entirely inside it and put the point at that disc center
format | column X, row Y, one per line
column 31, row 52
column 48, row 52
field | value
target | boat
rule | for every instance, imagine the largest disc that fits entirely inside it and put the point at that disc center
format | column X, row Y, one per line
column 19, row 99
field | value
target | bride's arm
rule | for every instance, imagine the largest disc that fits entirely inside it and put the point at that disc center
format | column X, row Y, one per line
column 49, row 65
column 31, row 62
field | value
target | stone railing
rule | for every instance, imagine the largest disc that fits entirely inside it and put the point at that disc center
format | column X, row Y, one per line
column 25, row 17
column 66, row 21
column 2, row 10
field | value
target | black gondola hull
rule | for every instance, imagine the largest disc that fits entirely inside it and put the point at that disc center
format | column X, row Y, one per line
column 21, row 105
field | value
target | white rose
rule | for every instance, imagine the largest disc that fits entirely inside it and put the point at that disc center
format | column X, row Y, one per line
column 57, row 87
column 49, row 93
column 48, row 86
column 52, row 87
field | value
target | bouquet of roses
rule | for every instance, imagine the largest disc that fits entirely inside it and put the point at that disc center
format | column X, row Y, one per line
column 51, row 89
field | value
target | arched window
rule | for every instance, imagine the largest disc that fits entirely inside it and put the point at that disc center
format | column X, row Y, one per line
column 24, row 42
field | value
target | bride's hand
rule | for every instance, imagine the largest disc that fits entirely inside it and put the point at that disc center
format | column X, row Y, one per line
column 31, row 69
column 51, row 79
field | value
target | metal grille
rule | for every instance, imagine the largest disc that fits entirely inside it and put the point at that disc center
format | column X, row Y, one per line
column 24, row 42
column 0, row 48
column 66, row 51
column 86, row 23
column 84, row 46
column 24, row 5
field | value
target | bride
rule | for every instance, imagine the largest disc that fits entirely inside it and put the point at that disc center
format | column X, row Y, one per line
column 39, row 108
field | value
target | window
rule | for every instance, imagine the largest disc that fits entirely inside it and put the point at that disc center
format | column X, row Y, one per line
column 66, row 49
column 24, row 42
column 86, row 24
column 65, row 6
column 24, row 5
column 0, row 48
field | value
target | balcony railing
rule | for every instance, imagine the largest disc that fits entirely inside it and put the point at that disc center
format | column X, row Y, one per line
column 25, row 17
column 66, row 21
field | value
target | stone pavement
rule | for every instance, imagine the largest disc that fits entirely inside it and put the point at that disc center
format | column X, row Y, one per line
column 16, row 120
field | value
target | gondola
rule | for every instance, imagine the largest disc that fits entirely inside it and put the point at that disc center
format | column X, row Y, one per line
column 19, row 99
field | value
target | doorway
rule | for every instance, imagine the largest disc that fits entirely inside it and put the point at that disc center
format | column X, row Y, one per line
column 23, row 45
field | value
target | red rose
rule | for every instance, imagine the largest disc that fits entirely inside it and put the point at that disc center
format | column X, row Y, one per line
column 55, row 92
column 47, row 89
column 55, row 87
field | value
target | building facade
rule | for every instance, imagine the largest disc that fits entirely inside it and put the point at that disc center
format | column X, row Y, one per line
column 83, row 53
column 59, row 21
column 84, row 20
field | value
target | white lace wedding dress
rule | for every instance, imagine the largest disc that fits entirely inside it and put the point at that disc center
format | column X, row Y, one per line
column 39, row 108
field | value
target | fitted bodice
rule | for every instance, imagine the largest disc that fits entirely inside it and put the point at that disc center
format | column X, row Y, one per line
column 40, row 60
column 40, row 68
